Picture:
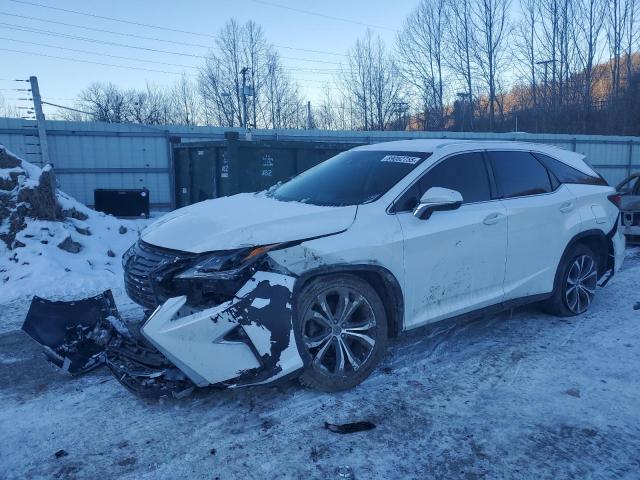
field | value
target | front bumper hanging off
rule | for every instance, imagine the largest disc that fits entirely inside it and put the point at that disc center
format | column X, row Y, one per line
column 247, row 340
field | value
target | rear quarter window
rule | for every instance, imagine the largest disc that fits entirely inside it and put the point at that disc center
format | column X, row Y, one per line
column 567, row 174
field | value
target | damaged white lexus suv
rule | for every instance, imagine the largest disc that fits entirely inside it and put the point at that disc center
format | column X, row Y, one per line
column 312, row 277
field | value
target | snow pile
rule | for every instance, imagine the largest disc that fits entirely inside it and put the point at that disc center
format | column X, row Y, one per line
column 52, row 245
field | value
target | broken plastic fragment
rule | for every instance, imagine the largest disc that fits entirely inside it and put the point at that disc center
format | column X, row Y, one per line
column 350, row 427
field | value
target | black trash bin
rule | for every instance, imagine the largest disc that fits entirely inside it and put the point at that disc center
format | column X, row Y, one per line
column 122, row 202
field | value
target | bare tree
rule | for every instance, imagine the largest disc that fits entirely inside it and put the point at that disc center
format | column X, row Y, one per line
column 283, row 104
column 421, row 46
column 220, row 77
column 616, row 24
column 622, row 34
column 462, row 44
column 549, row 34
column 632, row 34
column 371, row 78
column 105, row 102
column 527, row 46
column 6, row 109
column 490, row 19
column 184, row 102
column 148, row 106
column 272, row 94
column 587, row 36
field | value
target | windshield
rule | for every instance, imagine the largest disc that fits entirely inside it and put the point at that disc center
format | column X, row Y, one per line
column 353, row 177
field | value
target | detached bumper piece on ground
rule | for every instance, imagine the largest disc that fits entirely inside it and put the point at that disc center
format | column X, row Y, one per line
column 247, row 340
column 74, row 334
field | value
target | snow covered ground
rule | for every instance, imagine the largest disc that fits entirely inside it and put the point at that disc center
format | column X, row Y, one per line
column 516, row 396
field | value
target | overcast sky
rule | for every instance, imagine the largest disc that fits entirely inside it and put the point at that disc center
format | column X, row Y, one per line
column 61, row 79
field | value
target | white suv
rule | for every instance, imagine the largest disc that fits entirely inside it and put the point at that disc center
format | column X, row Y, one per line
column 312, row 277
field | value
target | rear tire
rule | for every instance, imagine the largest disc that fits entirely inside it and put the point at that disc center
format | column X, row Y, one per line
column 576, row 283
column 341, row 328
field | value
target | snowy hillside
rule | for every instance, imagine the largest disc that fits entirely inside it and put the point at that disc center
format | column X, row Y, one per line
column 57, row 249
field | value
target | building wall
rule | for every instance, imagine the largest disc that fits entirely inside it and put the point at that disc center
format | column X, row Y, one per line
column 88, row 155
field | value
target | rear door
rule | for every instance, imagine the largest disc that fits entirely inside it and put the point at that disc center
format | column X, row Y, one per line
column 541, row 216
column 455, row 260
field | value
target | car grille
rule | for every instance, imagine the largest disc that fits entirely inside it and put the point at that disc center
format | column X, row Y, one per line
column 141, row 261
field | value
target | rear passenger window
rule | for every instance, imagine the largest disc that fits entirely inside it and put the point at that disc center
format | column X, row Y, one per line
column 567, row 174
column 519, row 174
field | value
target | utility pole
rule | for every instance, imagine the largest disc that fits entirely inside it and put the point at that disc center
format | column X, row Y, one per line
column 463, row 97
column 546, row 65
column 308, row 115
column 42, row 132
column 400, row 109
column 244, row 72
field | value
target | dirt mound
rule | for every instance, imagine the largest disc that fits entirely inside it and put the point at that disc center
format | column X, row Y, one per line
column 27, row 191
column 52, row 245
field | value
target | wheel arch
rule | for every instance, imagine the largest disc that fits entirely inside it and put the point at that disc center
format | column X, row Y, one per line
column 598, row 242
column 380, row 278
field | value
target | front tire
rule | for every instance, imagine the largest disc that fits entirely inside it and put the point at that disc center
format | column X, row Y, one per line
column 577, row 281
column 341, row 327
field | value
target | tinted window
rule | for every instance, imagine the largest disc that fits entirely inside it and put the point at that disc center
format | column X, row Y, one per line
column 567, row 174
column 465, row 173
column 350, row 178
column 518, row 174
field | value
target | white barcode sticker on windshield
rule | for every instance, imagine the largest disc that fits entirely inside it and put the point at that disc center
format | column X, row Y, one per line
column 400, row 159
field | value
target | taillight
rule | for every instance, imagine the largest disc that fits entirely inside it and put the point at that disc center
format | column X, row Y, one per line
column 616, row 199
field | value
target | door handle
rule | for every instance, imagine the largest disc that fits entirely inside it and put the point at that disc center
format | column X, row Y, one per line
column 566, row 207
column 492, row 218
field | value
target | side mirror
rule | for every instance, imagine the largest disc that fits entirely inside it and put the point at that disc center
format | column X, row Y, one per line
column 437, row 199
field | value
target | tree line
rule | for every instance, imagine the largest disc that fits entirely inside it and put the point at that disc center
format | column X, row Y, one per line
column 566, row 66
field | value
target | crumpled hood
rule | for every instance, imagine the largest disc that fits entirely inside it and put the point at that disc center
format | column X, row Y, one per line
column 244, row 220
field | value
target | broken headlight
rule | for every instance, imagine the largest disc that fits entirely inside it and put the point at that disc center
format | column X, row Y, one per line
column 227, row 264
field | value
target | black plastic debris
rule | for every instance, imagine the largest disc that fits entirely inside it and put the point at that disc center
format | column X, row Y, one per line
column 60, row 453
column 350, row 427
column 74, row 334
column 145, row 371
column 574, row 392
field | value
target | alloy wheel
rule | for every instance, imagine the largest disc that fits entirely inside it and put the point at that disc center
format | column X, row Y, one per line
column 339, row 331
column 580, row 286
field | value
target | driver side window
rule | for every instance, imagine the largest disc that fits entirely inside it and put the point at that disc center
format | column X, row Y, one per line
column 465, row 173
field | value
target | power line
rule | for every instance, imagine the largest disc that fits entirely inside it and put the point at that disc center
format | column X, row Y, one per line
column 66, row 108
column 157, row 39
column 308, row 12
column 96, row 53
column 113, row 19
column 122, row 57
column 88, row 61
column 157, row 27
column 89, row 52
column 125, row 66
column 13, row 26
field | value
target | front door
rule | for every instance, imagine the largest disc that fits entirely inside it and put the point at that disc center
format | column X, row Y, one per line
column 455, row 260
